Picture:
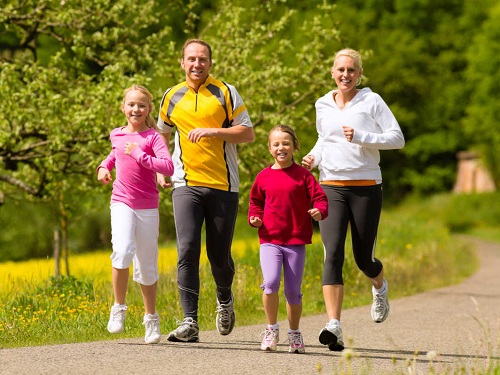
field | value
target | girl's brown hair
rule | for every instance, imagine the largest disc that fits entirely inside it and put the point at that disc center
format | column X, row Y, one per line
column 290, row 131
column 197, row 41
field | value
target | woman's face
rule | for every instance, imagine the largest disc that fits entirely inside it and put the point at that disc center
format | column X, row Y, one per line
column 346, row 73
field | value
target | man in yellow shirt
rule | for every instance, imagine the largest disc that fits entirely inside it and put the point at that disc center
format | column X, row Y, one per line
column 210, row 120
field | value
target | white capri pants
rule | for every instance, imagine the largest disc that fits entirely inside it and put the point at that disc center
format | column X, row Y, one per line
column 134, row 235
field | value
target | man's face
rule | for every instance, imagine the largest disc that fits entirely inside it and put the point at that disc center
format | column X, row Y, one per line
column 196, row 63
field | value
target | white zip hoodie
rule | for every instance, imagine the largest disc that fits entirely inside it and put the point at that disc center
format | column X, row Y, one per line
column 375, row 128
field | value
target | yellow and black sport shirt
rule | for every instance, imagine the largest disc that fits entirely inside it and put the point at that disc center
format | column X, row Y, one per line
column 211, row 162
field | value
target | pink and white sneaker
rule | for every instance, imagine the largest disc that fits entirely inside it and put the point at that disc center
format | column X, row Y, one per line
column 296, row 343
column 270, row 339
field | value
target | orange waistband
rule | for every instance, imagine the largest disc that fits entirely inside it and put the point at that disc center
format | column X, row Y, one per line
column 349, row 182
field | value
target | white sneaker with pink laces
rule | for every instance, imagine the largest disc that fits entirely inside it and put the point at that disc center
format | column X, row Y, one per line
column 296, row 343
column 270, row 339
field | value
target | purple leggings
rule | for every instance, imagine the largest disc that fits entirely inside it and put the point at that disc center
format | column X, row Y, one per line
column 292, row 258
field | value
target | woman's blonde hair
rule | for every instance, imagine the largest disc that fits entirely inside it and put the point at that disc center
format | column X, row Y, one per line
column 150, row 121
column 355, row 55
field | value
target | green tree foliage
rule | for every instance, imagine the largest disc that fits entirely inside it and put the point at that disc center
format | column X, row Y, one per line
column 64, row 65
column 68, row 63
column 482, row 121
column 60, row 102
column 415, row 57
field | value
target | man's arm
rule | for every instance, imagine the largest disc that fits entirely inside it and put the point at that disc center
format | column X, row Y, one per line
column 236, row 134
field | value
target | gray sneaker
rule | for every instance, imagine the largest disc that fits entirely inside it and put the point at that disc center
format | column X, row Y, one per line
column 225, row 317
column 187, row 331
column 380, row 306
column 331, row 336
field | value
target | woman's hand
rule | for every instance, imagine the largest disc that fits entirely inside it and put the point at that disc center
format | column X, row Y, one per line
column 308, row 161
column 348, row 132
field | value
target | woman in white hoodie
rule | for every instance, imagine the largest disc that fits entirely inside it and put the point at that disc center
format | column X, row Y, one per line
column 353, row 125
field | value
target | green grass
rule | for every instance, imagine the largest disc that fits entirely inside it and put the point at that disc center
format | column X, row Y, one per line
column 414, row 239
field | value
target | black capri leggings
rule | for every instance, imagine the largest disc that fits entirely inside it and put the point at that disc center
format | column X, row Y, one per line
column 359, row 206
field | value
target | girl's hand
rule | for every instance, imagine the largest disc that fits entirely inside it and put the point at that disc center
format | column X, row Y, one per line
column 129, row 146
column 104, row 176
column 256, row 221
column 315, row 214
column 162, row 181
column 308, row 161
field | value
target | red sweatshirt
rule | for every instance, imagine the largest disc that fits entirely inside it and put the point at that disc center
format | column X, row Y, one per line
column 281, row 198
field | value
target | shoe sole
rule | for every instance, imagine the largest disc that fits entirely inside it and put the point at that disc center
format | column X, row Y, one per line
column 296, row 351
column 225, row 333
column 176, row 339
column 268, row 349
column 115, row 332
column 327, row 338
column 336, row 347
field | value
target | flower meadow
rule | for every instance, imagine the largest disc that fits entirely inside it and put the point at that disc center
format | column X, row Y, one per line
column 39, row 309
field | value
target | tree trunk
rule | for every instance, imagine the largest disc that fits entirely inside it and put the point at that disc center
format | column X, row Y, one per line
column 64, row 231
column 57, row 253
column 64, row 241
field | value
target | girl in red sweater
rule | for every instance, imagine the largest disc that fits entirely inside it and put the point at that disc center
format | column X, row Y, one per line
column 283, row 199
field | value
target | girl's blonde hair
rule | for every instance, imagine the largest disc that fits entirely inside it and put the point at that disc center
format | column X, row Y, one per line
column 150, row 121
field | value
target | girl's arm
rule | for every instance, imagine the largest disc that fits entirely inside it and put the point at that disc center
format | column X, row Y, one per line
column 319, row 200
column 256, row 205
column 107, row 165
column 160, row 162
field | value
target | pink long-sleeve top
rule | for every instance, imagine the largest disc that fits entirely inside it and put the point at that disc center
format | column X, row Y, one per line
column 282, row 198
column 135, row 181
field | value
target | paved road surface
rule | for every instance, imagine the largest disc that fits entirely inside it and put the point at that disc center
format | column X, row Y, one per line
column 459, row 323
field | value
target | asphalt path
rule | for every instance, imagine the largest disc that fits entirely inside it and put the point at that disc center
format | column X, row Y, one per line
column 448, row 330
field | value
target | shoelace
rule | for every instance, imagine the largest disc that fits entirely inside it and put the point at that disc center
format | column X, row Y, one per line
column 295, row 339
column 269, row 335
column 150, row 322
column 379, row 303
column 224, row 312
column 185, row 323
column 118, row 313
